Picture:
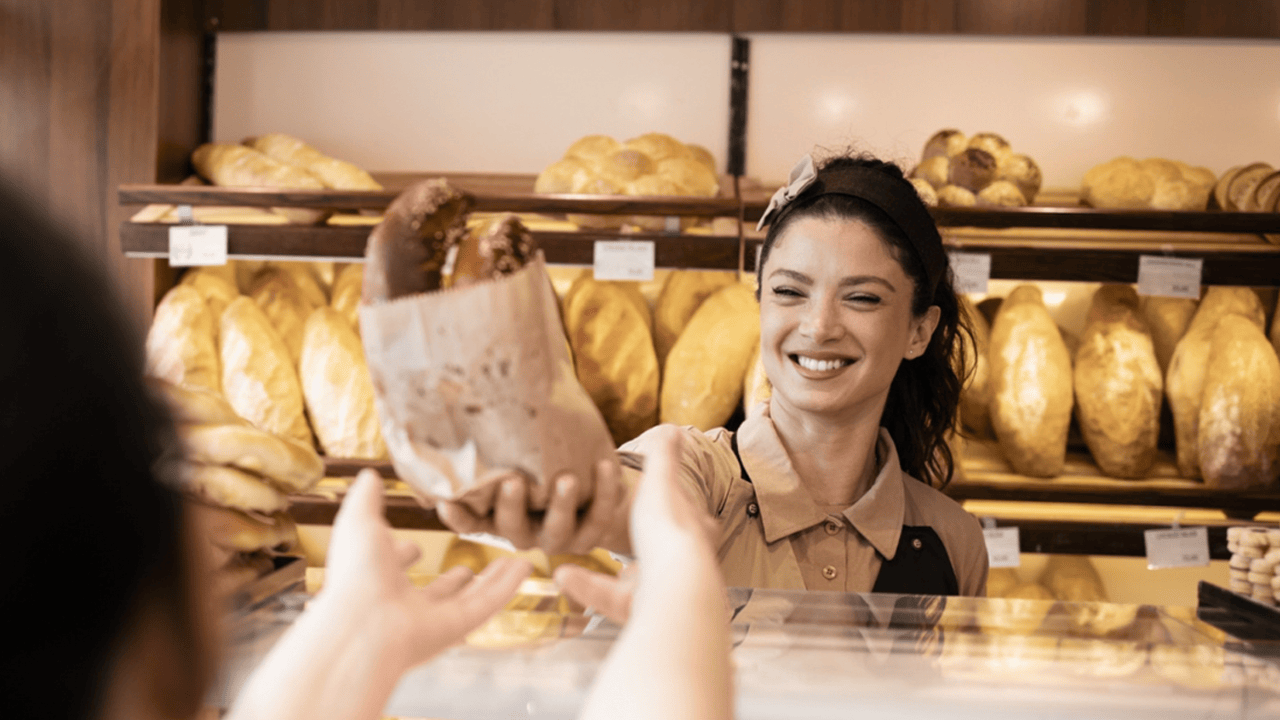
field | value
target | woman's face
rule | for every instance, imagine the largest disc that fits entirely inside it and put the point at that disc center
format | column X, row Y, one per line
column 835, row 318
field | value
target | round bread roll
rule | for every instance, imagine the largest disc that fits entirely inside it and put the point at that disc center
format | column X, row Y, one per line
column 560, row 176
column 591, row 184
column 690, row 175
column 956, row 196
column 1001, row 193
column 1123, row 186
column 1022, row 171
column 702, row 156
column 972, row 169
column 993, row 144
column 656, row 145
column 626, row 165
column 926, row 192
column 194, row 406
column 945, row 143
column 592, row 149
column 934, row 170
column 653, row 185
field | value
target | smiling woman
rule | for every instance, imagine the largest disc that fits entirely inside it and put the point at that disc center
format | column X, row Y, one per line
column 828, row 484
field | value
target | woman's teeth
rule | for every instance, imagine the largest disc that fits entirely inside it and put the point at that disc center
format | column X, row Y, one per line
column 820, row 365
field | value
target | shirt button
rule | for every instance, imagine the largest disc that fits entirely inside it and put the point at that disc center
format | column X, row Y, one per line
column 832, row 527
column 829, row 572
column 917, row 544
column 753, row 510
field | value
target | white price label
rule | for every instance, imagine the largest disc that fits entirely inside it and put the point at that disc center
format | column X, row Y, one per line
column 1003, row 547
column 1169, row 277
column 1177, row 547
column 197, row 245
column 623, row 260
column 972, row 271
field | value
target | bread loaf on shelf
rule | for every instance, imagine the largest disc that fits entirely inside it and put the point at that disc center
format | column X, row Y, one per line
column 1239, row 427
column 337, row 388
column 681, row 295
column 233, row 165
column 613, row 353
column 332, row 172
column 217, row 292
column 284, row 464
column 705, row 371
column 282, row 301
column 258, row 376
column 1031, row 394
column 1185, row 378
column 346, row 293
column 1167, row 319
column 975, row 395
column 181, row 346
column 756, row 388
column 1118, row 385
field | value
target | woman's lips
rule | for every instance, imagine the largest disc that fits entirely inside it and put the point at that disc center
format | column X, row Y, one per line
column 822, row 366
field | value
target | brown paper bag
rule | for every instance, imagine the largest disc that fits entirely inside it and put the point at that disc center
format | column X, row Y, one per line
column 473, row 382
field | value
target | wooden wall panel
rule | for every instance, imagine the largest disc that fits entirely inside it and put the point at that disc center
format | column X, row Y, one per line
column 77, row 114
column 1168, row 18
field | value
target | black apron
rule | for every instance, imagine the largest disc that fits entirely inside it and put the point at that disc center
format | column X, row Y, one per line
column 921, row 566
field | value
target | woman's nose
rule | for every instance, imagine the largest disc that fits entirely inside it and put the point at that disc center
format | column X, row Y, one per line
column 821, row 323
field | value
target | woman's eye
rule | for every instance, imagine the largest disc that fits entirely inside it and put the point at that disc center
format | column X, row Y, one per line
column 863, row 299
column 786, row 291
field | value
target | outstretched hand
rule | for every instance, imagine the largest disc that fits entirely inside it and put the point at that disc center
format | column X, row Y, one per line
column 366, row 572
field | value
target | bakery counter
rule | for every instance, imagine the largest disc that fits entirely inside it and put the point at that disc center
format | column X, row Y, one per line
column 818, row 655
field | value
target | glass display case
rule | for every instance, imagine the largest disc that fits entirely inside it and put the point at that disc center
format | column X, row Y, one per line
column 818, row 655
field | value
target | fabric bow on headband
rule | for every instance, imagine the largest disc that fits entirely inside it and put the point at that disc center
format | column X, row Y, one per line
column 804, row 174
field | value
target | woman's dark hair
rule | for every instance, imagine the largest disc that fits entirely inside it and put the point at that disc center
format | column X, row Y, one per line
column 92, row 539
column 921, row 412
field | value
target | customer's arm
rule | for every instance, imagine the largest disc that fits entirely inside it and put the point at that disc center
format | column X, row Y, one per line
column 343, row 657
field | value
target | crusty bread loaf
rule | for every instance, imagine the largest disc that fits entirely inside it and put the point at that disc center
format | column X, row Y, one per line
column 232, row 165
column 705, row 371
column 282, row 301
column 1167, row 319
column 337, row 388
column 346, row 293
column 286, row 465
column 407, row 251
column 1118, row 385
column 258, row 376
column 238, row 531
column 972, row 169
column 1239, row 427
column 228, row 487
column 1031, row 393
column 181, row 346
column 681, row 294
column 1022, row 171
column 214, row 288
column 613, row 353
column 975, row 395
column 193, row 406
column 756, row 387
column 945, row 143
column 331, row 171
column 656, row 145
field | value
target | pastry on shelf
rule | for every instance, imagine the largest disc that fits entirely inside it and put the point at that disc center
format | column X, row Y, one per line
column 982, row 170
column 1153, row 183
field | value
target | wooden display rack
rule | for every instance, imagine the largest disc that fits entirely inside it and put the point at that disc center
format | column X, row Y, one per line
column 1054, row 241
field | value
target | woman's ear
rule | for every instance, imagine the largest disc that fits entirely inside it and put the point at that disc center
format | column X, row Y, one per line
column 922, row 327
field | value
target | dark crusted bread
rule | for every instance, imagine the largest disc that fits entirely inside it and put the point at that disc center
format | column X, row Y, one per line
column 408, row 249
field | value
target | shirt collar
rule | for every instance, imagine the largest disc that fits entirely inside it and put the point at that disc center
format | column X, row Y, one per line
column 786, row 507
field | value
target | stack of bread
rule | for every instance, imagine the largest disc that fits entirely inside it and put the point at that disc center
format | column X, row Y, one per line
column 1252, row 187
column 983, row 170
column 239, row 477
column 1154, row 183
column 280, row 162
column 266, row 337
column 1210, row 359
column 1255, row 562
column 649, row 164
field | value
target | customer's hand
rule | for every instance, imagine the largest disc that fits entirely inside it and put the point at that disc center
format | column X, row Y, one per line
column 559, row 530
column 366, row 572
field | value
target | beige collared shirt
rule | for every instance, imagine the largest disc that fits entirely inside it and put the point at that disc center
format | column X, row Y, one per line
column 774, row 535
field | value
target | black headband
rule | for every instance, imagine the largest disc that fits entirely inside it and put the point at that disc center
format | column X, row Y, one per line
column 898, row 200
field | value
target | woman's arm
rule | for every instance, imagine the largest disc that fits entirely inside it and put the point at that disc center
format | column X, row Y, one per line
column 343, row 657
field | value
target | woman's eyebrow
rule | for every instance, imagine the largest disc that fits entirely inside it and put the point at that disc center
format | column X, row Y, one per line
column 797, row 276
column 864, row 279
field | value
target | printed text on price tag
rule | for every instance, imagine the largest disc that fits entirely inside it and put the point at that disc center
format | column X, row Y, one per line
column 1003, row 548
column 1177, row 547
column 197, row 245
column 972, row 271
column 1169, row 277
column 623, row 260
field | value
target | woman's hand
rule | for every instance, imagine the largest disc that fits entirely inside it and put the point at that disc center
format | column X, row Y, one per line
column 366, row 572
column 560, row 530
column 667, row 530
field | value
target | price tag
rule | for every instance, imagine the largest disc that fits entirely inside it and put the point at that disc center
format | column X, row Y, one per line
column 197, row 245
column 623, row 260
column 1169, row 277
column 1003, row 548
column 972, row 271
column 1177, row 547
